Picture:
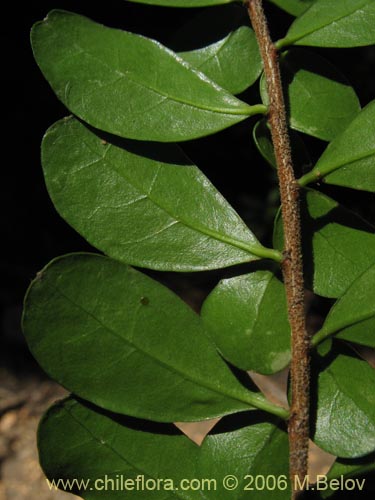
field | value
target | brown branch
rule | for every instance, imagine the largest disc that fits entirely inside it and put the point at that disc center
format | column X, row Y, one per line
column 292, row 264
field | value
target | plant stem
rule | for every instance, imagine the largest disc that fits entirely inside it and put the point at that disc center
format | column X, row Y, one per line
column 292, row 267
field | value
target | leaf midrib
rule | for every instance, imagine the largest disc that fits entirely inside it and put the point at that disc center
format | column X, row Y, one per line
column 170, row 368
column 337, row 329
column 293, row 40
column 336, row 166
column 200, row 229
column 244, row 110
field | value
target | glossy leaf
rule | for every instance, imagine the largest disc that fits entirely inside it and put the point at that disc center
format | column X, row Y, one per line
column 119, row 339
column 183, row 3
column 263, row 141
column 353, row 315
column 345, row 424
column 142, row 203
column 338, row 245
column 346, row 468
column 320, row 100
column 121, row 82
column 329, row 23
column 293, row 7
column 234, row 63
column 350, row 159
column 71, row 432
column 247, row 319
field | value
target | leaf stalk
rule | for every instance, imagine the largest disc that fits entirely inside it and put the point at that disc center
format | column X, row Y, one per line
column 260, row 402
column 319, row 337
column 309, row 178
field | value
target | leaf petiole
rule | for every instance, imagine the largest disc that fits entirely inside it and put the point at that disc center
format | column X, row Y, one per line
column 259, row 401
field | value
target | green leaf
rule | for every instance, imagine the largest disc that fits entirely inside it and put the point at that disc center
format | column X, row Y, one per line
column 247, row 319
column 263, row 140
column 325, row 347
column 338, row 245
column 362, row 333
column 183, row 3
column 345, row 424
column 293, row 7
column 121, row 82
column 234, row 63
column 332, row 23
column 144, row 204
column 119, row 339
column 320, row 100
column 349, row 160
column 353, row 315
column 122, row 448
column 344, row 469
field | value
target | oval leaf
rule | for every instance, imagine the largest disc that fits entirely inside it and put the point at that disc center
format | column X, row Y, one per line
column 329, row 23
column 119, row 339
column 293, row 7
column 350, row 159
column 353, row 315
column 142, row 203
column 184, row 3
column 320, row 100
column 248, row 321
column 234, row 63
column 263, row 140
column 125, row 449
column 346, row 387
column 121, row 82
column 338, row 245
